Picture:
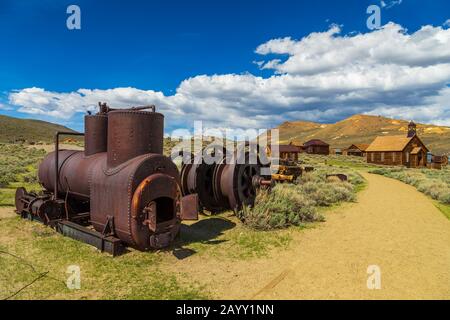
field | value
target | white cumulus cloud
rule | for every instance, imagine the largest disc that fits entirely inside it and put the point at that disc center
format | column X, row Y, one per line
column 324, row 76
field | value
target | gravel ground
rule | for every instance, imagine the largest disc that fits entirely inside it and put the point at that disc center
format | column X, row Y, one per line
column 392, row 226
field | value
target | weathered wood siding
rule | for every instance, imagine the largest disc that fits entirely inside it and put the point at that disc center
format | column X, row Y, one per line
column 398, row 158
column 318, row 150
column 392, row 158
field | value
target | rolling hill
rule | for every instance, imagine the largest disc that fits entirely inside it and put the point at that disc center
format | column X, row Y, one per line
column 16, row 130
column 363, row 129
column 355, row 129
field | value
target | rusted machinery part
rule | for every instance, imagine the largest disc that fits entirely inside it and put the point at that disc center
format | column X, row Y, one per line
column 228, row 183
column 197, row 174
column 75, row 171
column 235, row 182
column 187, row 161
column 155, row 207
column 114, row 192
column 129, row 191
column 277, row 177
column 104, row 108
column 39, row 206
column 262, row 182
column 21, row 200
column 96, row 137
column 204, row 185
column 110, row 191
column 133, row 133
column 342, row 177
column 241, row 177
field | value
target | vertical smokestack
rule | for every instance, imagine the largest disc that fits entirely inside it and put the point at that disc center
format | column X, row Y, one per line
column 95, row 133
column 412, row 129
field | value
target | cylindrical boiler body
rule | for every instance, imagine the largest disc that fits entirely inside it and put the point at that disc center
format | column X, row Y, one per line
column 133, row 133
column 148, row 186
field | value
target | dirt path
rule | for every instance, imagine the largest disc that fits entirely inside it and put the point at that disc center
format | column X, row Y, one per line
column 6, row 212
column 392, row 226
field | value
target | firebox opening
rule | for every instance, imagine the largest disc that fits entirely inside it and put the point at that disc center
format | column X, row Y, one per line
column 165, row 209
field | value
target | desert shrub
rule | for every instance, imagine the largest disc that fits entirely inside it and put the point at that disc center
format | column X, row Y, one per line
column 433, row 183
column 445, row 198
column 380, row 171
column 30, row 177
column 320, row 173
column 18, row 163
column 434, row 189
column 283, row 206
column 327, row 193
column 294, row 204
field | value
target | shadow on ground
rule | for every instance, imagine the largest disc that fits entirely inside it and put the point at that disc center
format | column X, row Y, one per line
column 205, row 231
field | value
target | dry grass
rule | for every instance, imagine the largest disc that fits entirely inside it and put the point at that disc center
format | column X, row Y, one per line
column 296, row 204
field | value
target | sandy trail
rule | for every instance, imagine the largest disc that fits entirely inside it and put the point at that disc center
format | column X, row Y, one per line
column 6, row 212
column 392, row 226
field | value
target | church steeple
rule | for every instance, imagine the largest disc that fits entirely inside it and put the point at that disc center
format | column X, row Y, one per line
column 412, row 129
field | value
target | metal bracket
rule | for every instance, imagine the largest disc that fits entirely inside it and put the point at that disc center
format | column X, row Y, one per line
column 189, row 207
column 108, row 230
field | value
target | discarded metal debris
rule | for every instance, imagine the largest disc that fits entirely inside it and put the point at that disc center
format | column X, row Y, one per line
column 339, row 176
column 228, row 182
column 121, row 184
column 288, row 171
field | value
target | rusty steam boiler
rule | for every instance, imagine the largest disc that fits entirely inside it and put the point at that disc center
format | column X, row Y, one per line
column 120, row 191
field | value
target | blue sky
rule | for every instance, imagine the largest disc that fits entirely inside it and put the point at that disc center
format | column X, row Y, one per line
column 156, row 45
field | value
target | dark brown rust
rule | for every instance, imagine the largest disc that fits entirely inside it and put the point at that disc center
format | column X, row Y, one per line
column 228, row 183
column 96, row 137
column 126, row 187
column 133, row 133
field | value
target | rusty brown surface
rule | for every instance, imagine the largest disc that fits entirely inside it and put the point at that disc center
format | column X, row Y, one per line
column 225, row 184
column 121, row 182
column 133, row 133
column 96, row 137
column 342, row 177
column 189, row 207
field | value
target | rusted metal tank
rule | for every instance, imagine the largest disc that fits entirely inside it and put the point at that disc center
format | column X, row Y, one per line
column 131, row 189
column 96, row 134
column 132, row 133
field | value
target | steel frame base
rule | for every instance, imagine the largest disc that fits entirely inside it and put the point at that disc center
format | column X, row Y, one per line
column 109, row 244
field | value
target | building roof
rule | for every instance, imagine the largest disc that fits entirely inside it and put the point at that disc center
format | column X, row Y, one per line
column 315, row 142
column 389, row 143
column 362, row 146
column 359, row 146
column 289, row 148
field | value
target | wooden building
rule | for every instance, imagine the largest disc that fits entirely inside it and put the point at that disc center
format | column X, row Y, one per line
column 316, row 146
column 337, row 151
column 287, row 151
column 358, row 150
column 406, row 150
column 438, row 162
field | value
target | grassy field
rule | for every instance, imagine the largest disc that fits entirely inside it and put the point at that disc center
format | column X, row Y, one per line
column 136, row 275
column 18, row 167
column 34, row 259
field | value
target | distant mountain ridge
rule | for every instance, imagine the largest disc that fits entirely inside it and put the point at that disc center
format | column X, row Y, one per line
column 28, row 130
column 355, row 129
column 363, row 129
